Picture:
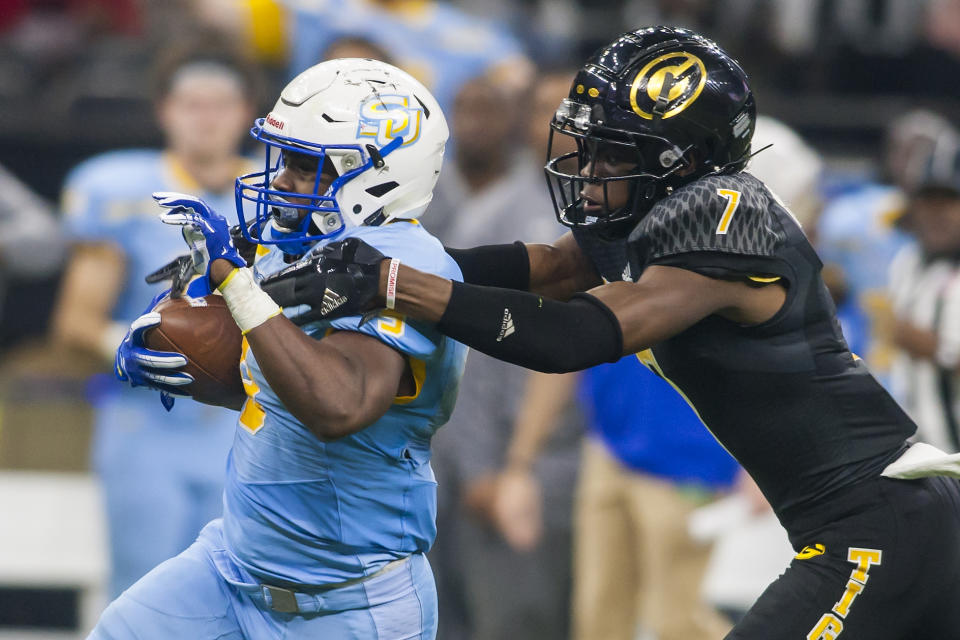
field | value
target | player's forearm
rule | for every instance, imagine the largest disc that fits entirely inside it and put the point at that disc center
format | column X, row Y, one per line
column 421, row 295
column 551, row 272
column 561, row 269
column 554, row 270
column 514, row 326
column 318, row 384
column 500, row 265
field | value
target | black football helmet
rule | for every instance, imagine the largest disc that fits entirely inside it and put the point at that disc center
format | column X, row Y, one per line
column 667, row 101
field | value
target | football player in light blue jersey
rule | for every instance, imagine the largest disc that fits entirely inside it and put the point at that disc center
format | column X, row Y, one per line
column 330, row 501
column 162, row 474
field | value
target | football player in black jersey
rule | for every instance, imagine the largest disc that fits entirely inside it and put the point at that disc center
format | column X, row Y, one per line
column 680, row 256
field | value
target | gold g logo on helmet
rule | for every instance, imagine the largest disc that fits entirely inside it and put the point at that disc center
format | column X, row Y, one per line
column 667, row 85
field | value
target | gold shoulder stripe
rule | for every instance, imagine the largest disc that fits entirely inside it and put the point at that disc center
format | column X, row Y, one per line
column 764, row 280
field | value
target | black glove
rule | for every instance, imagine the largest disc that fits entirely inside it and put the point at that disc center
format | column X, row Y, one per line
column 247, row 249
column 178, row 271
column 181, row 270
column 342, row 279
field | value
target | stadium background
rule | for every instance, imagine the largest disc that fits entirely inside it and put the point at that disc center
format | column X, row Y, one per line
column 73, row 84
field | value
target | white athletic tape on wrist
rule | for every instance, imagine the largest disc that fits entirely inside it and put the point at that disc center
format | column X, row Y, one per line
column 248, row 303
column 392, row 283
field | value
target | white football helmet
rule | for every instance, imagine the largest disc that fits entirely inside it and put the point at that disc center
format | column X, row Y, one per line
column 384, row 134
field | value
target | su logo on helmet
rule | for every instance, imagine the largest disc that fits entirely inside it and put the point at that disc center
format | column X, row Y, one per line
column 386, row 117
column 667, row 85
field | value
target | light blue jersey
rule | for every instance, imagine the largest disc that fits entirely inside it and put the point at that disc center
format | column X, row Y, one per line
column 439, row 44
column 162, row 472
column 302, row 511
column 310, row 512
column 857, row 231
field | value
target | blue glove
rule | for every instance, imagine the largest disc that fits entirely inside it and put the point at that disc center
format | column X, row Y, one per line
column 140, row 366
column 205, row 231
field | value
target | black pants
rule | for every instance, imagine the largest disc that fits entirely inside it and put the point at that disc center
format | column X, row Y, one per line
column 879, row 562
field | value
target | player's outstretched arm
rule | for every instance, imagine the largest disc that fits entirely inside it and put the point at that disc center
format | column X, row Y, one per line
column 547, row 335
column 602, row 325
column 555, row 270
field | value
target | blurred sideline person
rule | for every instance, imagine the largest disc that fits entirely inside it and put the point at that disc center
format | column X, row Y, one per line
column 724, row 299
column 925, row 288
column 162, row 474
column 356, row 47
column 330, row 500
column 31, row 238
column 490, row 589
column 436, row 42
column 647, row 464
column 858, row 235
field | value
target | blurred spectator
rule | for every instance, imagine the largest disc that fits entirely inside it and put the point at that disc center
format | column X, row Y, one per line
column 791, row 167
column 794, row 171
column 43, row 42
column 648, row 463
column 491, row 192
column 925, row 286
column 31, row 242
column 857, row 236
column 356, row 47
column 434, row 41
column 500, row 167
column 258, row 25
column 943, row 25
column 162, row 473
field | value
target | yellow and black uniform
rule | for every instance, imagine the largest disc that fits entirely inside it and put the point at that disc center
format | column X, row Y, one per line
column 805, row 418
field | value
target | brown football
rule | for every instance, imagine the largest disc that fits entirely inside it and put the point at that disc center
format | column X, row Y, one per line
column 203, row 330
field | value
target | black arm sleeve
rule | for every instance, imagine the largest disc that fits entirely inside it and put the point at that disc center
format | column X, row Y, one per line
column 531, row 331
column 497, row 265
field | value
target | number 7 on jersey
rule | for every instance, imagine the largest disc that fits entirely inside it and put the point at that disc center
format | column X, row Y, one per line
column 733, row 200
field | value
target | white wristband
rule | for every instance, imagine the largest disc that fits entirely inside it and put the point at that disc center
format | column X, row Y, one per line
column 392, row 283
column 248, row 303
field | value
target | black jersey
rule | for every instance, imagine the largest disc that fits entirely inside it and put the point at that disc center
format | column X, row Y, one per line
column 786, row 397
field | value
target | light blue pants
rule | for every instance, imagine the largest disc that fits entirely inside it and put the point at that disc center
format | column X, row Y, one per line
column 162, row 482
column 201, row 594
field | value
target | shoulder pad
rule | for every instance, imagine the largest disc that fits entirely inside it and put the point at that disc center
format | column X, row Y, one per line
column 731, row 214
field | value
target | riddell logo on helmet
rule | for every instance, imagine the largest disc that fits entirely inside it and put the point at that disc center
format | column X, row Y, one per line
column 667, row 85
column 275, row 122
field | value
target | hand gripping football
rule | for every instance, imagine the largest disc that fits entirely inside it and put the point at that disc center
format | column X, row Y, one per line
column 203, row 330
